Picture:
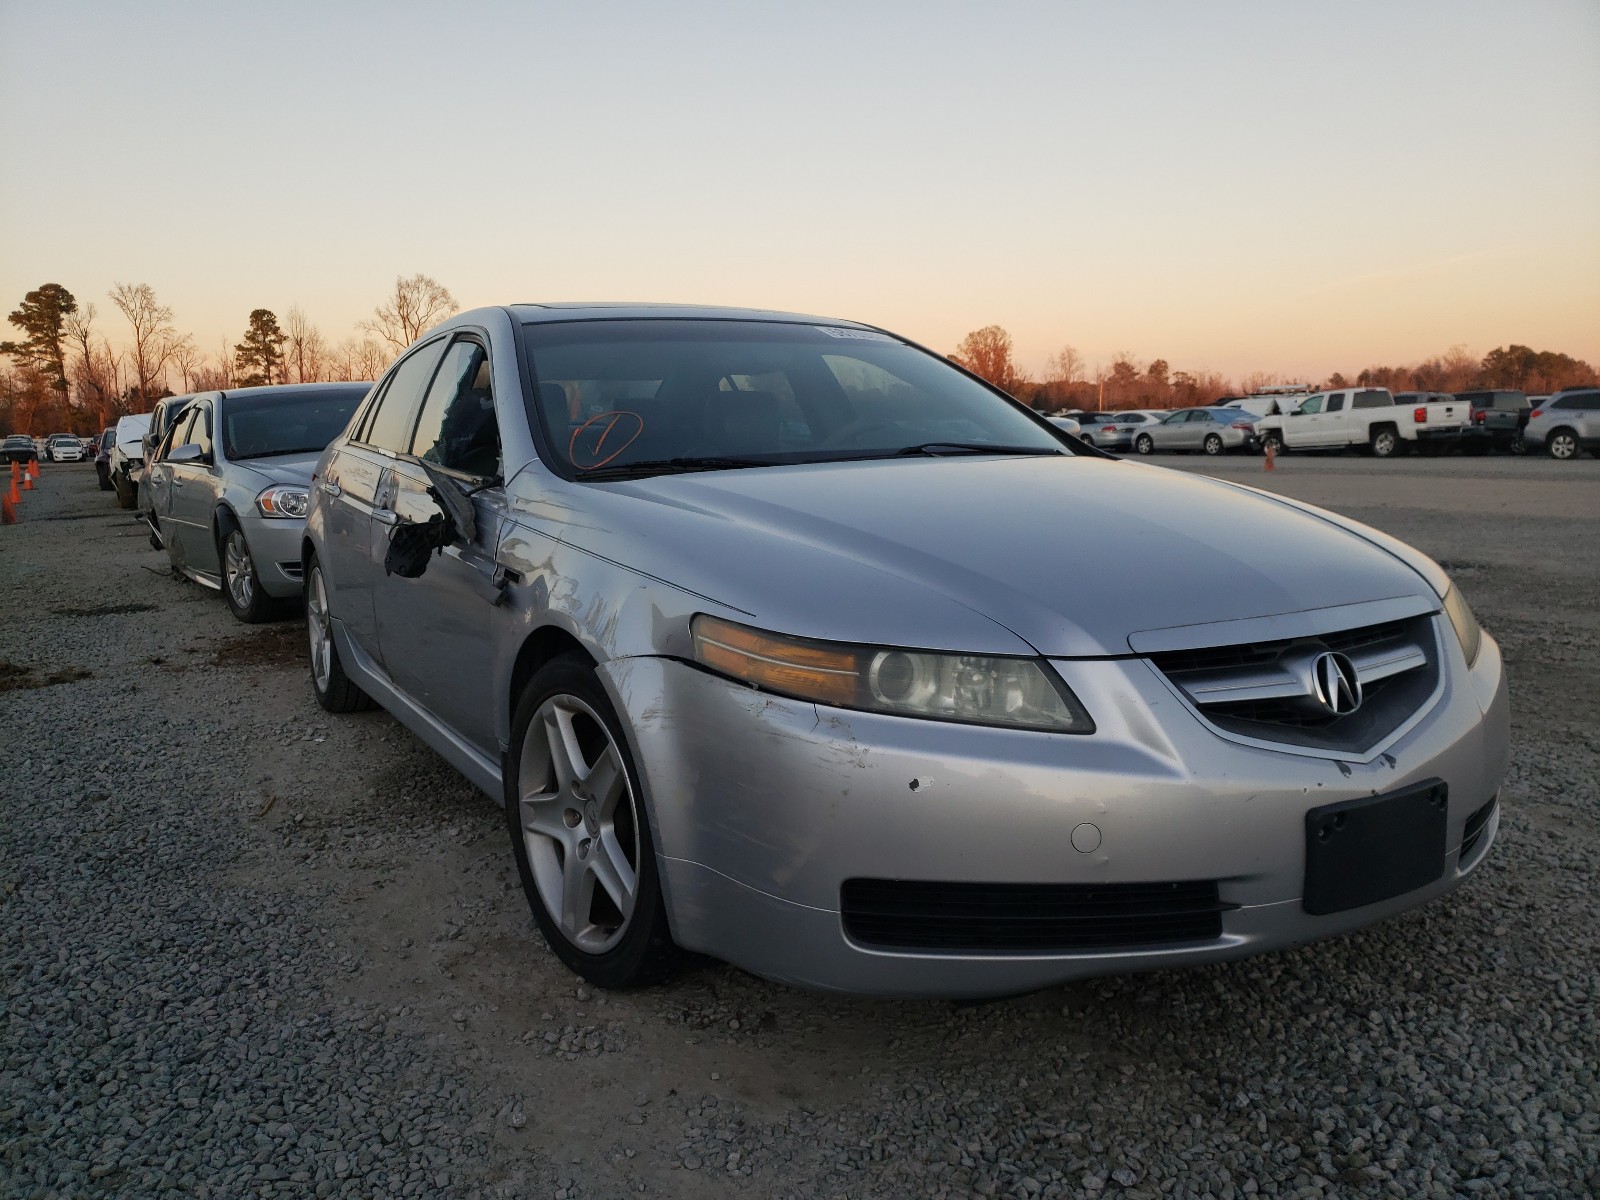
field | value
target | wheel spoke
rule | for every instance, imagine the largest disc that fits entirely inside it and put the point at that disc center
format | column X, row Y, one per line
column 605, row 782
column 566, row 756
column 613, row 872
column 577, row 894
column 541, row 815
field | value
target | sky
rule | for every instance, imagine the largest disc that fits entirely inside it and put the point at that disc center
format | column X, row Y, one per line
column 1288, row 187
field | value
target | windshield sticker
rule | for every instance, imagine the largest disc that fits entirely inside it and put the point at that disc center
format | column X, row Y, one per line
column 854, row 335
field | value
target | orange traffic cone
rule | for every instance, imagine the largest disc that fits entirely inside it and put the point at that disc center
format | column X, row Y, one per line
column 27, row 481
column 1271, row 463
column 12, row 495
column 8, row 508
column 33, row 468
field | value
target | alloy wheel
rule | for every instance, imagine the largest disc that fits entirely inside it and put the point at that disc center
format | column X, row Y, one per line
column 1383, row 444
column 1213, row 444
column 238, row 570
column 319, row 630
column 1563, row 445
column 580, row 823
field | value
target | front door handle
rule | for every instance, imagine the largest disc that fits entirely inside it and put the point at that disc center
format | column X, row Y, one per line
column 386, row 516
column 332, row 489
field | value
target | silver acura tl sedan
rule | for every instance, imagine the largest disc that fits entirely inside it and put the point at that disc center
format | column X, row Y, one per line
column 227, row 493
column 771, row 636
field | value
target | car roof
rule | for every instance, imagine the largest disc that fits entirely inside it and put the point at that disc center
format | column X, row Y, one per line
column 272, row 391
column 530, row 314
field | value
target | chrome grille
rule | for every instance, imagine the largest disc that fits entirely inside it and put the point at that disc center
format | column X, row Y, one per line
column 1263, row 688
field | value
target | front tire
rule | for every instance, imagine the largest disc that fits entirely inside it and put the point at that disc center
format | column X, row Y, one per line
column 579, row 831
column 1562, row 444
column 241, row 585
column 1144, row 444
column 127, row 493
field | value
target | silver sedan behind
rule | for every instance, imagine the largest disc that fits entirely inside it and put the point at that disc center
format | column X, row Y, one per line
column 228, row 498
column 1203, row 430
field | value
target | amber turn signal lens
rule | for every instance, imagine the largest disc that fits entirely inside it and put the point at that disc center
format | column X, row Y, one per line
column 826, row 673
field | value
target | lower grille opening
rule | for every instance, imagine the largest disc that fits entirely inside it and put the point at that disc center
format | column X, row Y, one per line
column 1029, row 917
column 1473, row 832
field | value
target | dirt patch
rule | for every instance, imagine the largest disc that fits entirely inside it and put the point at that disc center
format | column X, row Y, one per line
column 268, row 646
column 104, row 610
column 16, row 677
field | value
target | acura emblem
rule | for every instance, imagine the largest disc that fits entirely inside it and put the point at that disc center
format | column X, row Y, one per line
column 1336, row 685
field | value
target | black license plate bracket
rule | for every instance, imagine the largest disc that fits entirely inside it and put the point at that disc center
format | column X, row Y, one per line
column 1375, row 848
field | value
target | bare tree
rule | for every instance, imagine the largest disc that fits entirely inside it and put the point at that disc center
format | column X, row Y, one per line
column 154, row 335
column 418, row 304
column 1067, row 365
column 92, row 385
column 188, row 358
column 306, row 350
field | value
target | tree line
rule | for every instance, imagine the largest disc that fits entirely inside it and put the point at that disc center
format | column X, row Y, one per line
column 1131, row 383
column 65, row 375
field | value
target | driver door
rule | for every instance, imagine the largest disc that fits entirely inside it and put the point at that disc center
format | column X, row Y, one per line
column 1301, row 428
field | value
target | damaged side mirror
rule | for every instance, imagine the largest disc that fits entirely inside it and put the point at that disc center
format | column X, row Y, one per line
column 413, row 543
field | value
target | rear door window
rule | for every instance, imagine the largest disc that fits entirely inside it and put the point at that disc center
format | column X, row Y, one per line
column 1336, row 402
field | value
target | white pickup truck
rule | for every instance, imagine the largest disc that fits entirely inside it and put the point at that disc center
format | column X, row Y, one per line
column 1367, row 418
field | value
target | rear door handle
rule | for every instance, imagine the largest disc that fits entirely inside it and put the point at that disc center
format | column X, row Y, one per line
column 332, row 489
column 386, row 516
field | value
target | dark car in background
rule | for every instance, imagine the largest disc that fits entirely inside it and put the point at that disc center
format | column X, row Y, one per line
column 1498, row 419
column 19, row 447
column 102, row 456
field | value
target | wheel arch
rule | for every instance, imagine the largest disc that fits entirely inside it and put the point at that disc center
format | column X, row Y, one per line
column 542, row 645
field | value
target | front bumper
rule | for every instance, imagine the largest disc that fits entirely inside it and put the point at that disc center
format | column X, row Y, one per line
column 763, row 807
column 275, row 547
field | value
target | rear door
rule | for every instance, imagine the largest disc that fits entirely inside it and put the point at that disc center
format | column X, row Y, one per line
column 435, row 629
column 194, row 490
column 359, row 481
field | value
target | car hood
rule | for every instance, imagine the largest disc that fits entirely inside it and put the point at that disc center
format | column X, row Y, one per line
column 291, row 468
column 1066, row 556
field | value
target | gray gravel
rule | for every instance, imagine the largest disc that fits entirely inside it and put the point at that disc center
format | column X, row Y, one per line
column 252, row 950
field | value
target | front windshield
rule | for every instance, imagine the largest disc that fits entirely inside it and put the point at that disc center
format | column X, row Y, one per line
column 685, row 395
column 286, row 423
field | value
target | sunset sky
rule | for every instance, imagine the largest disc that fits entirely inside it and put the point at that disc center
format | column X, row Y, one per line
column 1288, row 187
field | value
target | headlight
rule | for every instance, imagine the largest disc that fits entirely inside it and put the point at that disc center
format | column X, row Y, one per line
column 283, row 501
column 1466, row 625
column 975, row 689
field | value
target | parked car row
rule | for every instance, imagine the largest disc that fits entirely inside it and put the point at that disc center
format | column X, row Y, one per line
column 750, row 623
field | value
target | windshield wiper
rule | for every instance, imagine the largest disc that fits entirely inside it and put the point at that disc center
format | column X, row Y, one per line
column 941, row 449
column 672, row 466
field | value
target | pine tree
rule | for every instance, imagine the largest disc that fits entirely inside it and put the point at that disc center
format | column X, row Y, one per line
column 43, row 318
column 260, row 356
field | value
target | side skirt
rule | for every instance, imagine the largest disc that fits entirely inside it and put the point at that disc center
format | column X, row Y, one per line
column 482, row 771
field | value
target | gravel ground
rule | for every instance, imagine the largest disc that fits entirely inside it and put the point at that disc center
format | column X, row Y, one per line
column 252, row 950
